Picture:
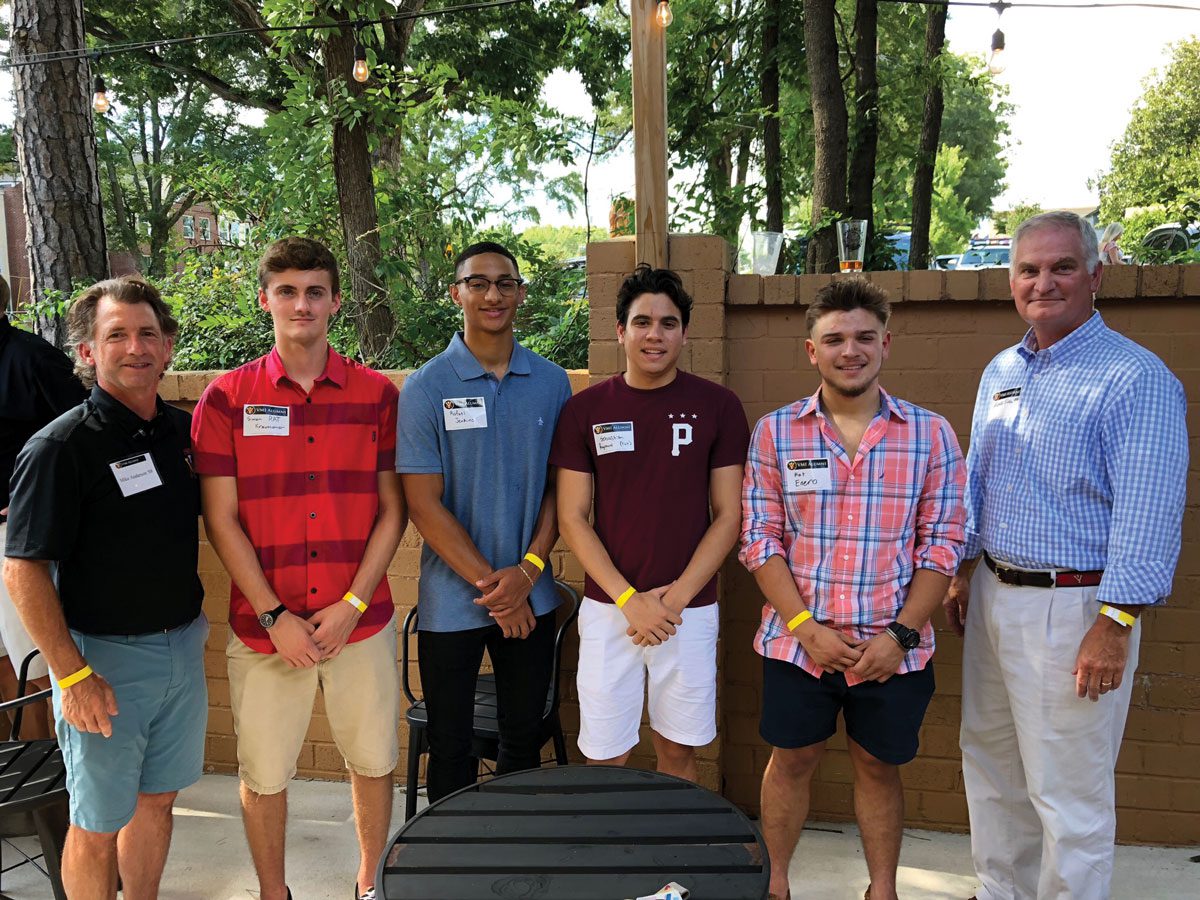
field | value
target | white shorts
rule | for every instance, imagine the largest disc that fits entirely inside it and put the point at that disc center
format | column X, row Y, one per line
column 612, row 681
column 15, row 642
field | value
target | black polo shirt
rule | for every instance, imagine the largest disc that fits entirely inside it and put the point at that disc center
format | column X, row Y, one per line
column 36, row 386
column 112, row 499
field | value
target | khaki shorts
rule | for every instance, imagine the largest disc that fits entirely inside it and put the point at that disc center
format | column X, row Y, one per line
column 273, row 703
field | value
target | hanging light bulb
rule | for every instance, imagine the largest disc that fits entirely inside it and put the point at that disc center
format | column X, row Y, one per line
column 997, row 61
column 664, row 14
column 100, row 99
column 361, row 70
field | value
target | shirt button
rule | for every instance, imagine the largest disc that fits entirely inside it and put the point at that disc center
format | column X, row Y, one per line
column 847, row 556
column 841, row 596
column 848, row 516
column 312, row 515
column 311, row 439
column 312, row 590
column 312, row 477
column 313, row 554
column 308, row 399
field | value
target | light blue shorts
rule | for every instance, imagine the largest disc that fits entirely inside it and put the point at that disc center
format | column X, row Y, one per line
column 157, row 744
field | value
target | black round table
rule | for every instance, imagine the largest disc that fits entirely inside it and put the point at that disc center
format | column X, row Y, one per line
column 576, row 833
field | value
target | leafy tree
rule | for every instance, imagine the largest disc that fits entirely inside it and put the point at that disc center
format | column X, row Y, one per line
column 952, row 220
column 1157, row 160
column 1006, row 222
column 561, row 242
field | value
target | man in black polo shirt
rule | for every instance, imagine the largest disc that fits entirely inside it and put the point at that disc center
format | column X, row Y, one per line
column 36, row 386
column 106, row 494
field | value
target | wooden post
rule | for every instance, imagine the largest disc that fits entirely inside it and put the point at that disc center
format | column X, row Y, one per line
column 649, row 46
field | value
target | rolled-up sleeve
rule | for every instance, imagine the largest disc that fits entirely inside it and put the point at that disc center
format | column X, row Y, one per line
column 763, row 512
column 1145, row 433
column 941, row 515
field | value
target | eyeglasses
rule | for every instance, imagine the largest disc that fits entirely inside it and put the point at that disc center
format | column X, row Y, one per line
column 478, row 284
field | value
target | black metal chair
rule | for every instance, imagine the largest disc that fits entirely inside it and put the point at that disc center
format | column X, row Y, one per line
column 485, row 743
column 33, row 792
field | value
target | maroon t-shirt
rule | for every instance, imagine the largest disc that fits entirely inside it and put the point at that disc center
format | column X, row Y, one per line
column 650, row 454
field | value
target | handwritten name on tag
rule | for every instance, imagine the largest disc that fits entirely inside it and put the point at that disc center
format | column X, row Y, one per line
column 464, row 412
column 802, row 476
column 613, row 437
column 264, row 419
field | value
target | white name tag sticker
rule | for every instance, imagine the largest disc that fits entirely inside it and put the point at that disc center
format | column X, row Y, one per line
column 263, row 419
column 1009, row 397
column 464, row 412
column 1003, row 407
column 803, row 476
column 135, row 474
column 613, row 437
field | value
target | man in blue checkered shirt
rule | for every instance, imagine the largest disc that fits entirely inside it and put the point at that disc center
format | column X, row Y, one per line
column 1075, row 489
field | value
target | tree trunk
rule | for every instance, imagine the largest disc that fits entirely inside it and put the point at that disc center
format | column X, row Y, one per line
column 359, row 217
column 866, row 116
column 829, row 132
column 770, row 101
column 931, row 127
column 56, row 147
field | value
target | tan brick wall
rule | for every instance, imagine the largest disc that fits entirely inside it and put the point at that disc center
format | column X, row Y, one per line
column 946, row 327
column 748, row 333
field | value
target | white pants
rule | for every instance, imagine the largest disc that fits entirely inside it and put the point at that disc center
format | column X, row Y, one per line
column 15, row 642
column 611, row 681
column 1037, row 760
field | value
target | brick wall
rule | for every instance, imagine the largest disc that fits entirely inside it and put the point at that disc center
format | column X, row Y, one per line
column 748, row 333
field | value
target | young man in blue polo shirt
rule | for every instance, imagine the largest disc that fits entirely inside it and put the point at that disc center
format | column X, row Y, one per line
column 473, row 443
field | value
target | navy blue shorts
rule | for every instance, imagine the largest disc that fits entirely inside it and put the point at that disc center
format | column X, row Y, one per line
column 884, row 719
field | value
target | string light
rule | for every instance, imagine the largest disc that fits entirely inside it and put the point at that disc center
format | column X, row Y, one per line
column 100, row 101
column 361, row 71
column 997, row 60
column 664, row 14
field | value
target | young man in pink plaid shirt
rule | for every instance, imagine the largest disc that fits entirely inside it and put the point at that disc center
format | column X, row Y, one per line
column 852, row 523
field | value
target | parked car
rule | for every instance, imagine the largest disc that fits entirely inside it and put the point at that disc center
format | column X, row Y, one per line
column 985, row 257
column 947, row 261
column 1169, row 239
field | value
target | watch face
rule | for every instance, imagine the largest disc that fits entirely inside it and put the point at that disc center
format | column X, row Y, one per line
column 909, row 638
column 266, row 620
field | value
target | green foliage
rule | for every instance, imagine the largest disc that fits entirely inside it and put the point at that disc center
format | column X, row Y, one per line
column 952, row 218
column 8, row 152
column 1009, row 220
column 1157, row 160
column 561, row 242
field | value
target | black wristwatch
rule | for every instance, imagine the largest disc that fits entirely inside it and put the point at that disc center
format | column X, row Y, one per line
column 907, row 638
column 271, row 616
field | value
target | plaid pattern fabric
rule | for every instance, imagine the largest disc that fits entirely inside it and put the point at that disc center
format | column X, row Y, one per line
column 1078, row 460
column 307, row 500
column 852, row 549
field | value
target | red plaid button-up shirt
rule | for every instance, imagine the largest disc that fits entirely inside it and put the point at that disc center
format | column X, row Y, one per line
column 307, row 499
column 853, row 548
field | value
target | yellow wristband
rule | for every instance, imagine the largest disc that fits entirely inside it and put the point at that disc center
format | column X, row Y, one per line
column 536, row 560
column 355, row 602
column 624, row 598
column 1117, row 615
column 74, row 679
column 799, row 619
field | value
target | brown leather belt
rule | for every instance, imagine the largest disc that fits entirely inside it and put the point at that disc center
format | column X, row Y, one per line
column 1058, row 578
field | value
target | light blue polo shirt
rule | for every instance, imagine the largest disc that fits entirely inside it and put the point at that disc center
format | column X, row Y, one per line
column 490, row 442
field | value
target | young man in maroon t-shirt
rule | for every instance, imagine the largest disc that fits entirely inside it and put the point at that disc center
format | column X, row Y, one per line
column 652, row 450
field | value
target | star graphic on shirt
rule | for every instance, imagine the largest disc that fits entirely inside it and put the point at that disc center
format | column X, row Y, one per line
column 694, row 416
column 670, row 415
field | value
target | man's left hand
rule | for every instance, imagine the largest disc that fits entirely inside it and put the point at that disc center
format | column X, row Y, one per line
column 334, row 625
column 1100, row 665
column 518, row 623
column 881, row 658
column 504, row 590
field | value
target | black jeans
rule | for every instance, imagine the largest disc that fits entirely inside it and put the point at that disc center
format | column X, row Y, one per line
column 449, row 663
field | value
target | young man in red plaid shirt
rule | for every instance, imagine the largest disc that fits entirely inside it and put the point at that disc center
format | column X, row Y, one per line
column 852, row 523
column 296, row 453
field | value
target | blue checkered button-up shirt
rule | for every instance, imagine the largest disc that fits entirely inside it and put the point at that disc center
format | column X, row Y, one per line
column 1078, row 460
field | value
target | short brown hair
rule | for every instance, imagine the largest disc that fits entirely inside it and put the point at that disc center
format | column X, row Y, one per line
column 846, row 294
column 298, row 253
column 81, row 318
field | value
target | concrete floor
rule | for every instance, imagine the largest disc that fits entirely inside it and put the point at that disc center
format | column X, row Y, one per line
column 209, row 860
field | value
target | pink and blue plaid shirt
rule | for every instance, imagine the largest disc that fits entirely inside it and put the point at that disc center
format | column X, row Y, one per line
column 853, row 547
